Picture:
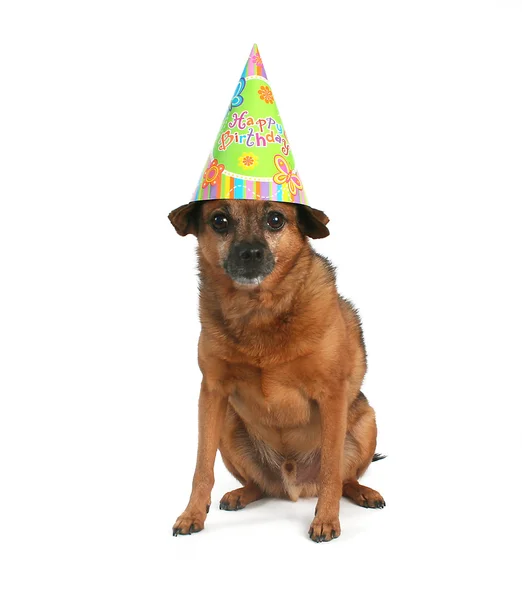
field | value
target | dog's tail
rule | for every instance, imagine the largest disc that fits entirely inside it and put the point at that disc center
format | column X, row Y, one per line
column 378, row 457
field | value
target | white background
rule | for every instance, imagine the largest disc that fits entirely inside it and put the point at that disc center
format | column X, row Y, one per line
column 406, row 123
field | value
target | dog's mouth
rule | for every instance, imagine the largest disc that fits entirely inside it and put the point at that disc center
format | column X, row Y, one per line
column 248, row 281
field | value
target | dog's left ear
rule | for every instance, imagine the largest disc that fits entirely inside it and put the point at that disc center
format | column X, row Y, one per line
column 185, row 219
column 312, row 222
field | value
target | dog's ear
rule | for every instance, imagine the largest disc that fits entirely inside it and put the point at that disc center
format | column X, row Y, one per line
column 312, row 222
column 186, row 219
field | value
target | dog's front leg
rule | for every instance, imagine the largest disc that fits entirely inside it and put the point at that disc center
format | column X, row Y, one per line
column 212, row 408
column 333, row 411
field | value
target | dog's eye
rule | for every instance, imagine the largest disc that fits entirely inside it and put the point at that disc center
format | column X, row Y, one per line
column 275, row 220
column 219, row 223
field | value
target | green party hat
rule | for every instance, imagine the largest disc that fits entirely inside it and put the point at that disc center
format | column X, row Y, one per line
column 251, row 158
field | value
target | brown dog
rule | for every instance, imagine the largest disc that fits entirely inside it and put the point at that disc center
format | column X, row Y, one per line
column 283, row 359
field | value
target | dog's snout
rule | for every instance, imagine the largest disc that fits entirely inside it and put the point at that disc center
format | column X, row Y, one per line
column 250, row 252
column 249, row 261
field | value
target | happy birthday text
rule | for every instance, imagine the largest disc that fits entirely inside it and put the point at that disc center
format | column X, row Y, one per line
column 258, row 132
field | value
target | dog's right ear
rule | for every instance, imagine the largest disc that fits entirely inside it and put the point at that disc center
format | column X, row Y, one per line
column 186, row 218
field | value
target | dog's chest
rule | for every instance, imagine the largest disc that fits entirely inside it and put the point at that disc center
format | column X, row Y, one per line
column 270, row 398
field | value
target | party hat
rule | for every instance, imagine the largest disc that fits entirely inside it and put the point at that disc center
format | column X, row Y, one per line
column 251, row 158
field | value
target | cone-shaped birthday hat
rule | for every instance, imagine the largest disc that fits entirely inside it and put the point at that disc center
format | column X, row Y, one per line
column 251, row 158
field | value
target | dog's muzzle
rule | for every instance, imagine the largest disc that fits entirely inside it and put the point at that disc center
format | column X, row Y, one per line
column 249, row 262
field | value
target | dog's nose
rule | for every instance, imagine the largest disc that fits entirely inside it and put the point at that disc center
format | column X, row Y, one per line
column 250, row 252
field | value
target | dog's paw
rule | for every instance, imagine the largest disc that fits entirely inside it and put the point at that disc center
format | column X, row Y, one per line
column 375, row 502
column 231, row 501
column 362, row 495
column 238, row 499
column 324, row 530
column 188, row 523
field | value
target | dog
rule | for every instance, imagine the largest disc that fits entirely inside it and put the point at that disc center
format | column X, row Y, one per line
column 283, row 359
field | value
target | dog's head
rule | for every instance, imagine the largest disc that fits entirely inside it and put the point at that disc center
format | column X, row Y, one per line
column 247, row 239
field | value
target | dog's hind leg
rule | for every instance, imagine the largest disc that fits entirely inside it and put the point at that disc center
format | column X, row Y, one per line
column 242, row 458
column 362, row 495
column 359, row 449
column 238, row 499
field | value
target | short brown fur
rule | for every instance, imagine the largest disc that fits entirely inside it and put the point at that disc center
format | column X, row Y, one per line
column 282, row 364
